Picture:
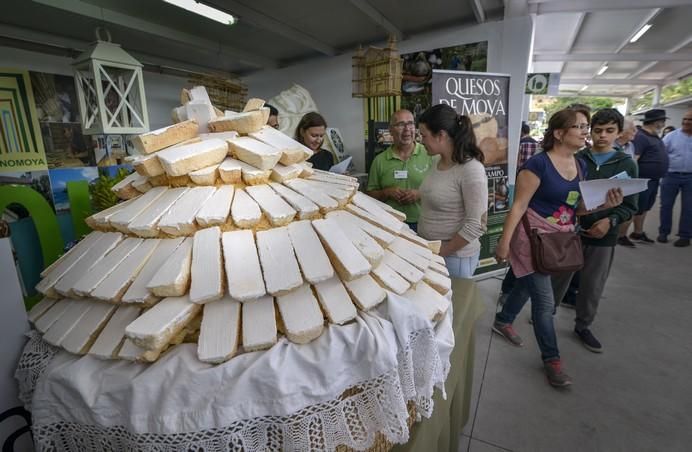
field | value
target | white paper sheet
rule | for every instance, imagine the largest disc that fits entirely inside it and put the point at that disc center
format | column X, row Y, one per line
column 594, row 191
column 341, row 167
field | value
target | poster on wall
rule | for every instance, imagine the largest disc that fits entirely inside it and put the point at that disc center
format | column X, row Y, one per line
column 485, row 99
column 418, row 67
column 21, row 147
column 58, row 114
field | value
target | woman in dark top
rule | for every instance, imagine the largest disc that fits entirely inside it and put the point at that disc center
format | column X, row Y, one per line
column 310, row 132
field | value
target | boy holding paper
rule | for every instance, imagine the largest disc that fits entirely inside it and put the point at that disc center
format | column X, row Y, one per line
column 600, row 229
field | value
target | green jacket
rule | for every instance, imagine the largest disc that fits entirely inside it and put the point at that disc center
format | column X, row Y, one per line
column 618, row 163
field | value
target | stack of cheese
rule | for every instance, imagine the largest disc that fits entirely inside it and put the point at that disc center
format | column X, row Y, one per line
column 228, row 238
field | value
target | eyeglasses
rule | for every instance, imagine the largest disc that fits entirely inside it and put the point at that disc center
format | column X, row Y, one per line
column 401, row 125
column 580, row 126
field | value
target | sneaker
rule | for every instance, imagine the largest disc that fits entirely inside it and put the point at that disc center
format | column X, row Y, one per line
column 589, row 341
column 681, row 243
column 624, row 241
column 556, row 377
column 505, row 330
column 662, row 238
column 641, row 237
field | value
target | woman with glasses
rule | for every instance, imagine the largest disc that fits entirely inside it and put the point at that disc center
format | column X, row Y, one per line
column 454, row 195
column 310, row 132
column 547, row 192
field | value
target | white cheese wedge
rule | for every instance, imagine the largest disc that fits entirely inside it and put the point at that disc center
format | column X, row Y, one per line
column 277, row 211
column 220, row 331
column 252, row 175
column 292, row 151
column 438, row 281
column 242, row 265
column 365, row 292
column 322, row 177
column 148, row 165
column 281, row 173
column 402, row 267
column 254, row 104
column 125, row 189
column 422, row 251
column 439, row 268
column 72, row 315
column 399, row 215
column 205, row 176
column 411, row 236
column 157, row 326
column 142, row 185
column 92, row 257
column 230, row 171
column 138, row 292
column 244, row 123
column 370, row 205
column 279, row 264
column 341, row 195
column 325, row 202
column 382, row 237
column 405, row 250
column 428, row 301
column 344, row 177
column 173, row 278
column 368, row 246
column 245, row 211
column 207, row 266
column 40, row 308
column 133, row 352
column 217, row 208
column 101, row 219
column 254, row 152
column 306, row 208
column 179, row 219
column 198, row 94
column 390, row 279
column 302, row 318
column 439, row 259
column 104, row 267
column 121, row 220
column 179, row 114
column 375, row 221
column 146, row 223
column 200, row 111
column 259, row 324
column 335, row 301
column 116, row 283
column 347, row 260
column 311, row 256
column 52, row 315
column 220, row 135
column 58, row 269
column 110, row 339
column 181, row 160
column 84, row 333
column 306, row 169
column 334, row 186
column 156, row 140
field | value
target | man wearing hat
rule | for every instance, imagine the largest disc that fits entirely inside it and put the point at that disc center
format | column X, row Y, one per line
column 652, row 158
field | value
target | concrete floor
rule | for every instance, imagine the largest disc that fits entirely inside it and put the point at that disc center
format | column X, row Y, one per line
column 636, row 396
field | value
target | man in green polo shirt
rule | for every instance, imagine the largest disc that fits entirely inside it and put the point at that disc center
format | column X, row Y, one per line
column 397, row 172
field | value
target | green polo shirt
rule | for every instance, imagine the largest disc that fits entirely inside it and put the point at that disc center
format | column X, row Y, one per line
column 387, row 164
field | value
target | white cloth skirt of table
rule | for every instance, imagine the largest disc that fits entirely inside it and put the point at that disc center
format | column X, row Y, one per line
column 286, row 398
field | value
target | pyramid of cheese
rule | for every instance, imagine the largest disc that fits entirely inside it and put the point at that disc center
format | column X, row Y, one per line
column 229, row 240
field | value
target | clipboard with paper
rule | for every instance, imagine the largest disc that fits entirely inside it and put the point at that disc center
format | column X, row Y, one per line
column 594, row 192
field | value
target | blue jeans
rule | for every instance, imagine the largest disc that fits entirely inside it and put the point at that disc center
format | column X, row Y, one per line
column 671, row 184
column 462, row 267
column 539, row 288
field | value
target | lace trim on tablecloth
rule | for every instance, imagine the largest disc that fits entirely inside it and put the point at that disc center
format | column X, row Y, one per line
column 353, row 420
column 36, row 356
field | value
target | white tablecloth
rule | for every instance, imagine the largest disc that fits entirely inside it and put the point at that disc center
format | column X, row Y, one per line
column 286, row 398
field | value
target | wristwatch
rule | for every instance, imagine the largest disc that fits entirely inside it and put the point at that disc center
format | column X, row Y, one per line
column 613, row 221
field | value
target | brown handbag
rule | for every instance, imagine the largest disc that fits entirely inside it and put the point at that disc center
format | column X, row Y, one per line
column 555, row 252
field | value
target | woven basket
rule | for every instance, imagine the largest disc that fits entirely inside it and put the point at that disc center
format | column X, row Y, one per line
column 225, row 93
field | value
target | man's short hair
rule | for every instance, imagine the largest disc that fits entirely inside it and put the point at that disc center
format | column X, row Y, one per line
column 607, row 116
column 525, row 129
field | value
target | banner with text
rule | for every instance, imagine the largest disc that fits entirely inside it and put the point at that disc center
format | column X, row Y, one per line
column 484, row 98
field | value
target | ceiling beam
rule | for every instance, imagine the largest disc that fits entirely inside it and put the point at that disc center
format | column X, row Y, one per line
column 366, row 8
column 145, row 26
column 682, row 44
column 607, row 81
column 664, row 56
column 259, row 20
column 478, row 10
column 571, row 6
column 651, row 15
column 516, row 8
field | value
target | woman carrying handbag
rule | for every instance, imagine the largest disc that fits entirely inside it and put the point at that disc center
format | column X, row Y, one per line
column 547, row 195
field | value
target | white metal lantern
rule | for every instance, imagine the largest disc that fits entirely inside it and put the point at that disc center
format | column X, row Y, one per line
column 110, row 90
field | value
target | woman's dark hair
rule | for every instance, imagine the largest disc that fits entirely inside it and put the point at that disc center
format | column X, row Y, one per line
column 458, row 127
column 607, row 116
column 561, row 120
column 312, row 119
